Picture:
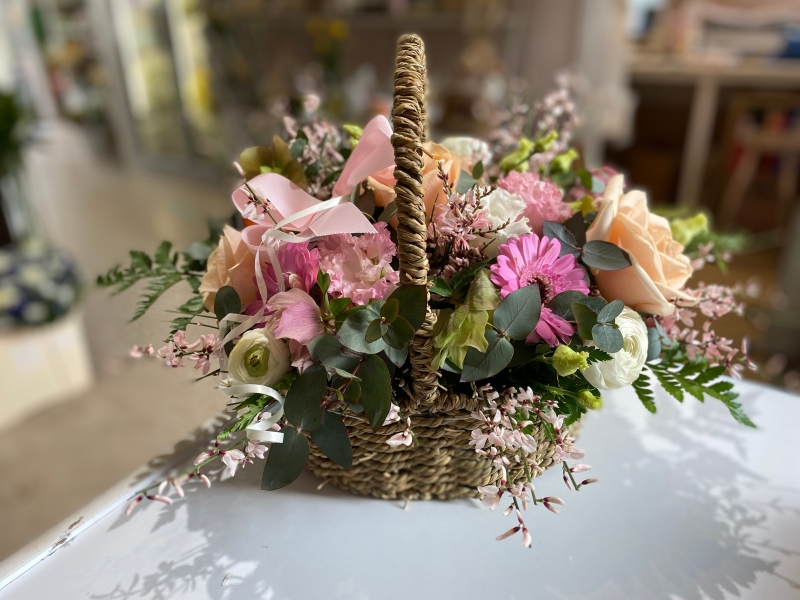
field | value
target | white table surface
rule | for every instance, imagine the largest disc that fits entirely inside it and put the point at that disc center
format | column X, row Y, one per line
column 690, row 505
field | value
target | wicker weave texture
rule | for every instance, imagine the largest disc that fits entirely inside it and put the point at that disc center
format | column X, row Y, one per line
column 441, row 464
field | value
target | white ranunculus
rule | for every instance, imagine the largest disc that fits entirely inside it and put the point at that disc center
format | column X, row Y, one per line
column 471, row 150
column 259, row 357
column 626, row 365
column 501, row 206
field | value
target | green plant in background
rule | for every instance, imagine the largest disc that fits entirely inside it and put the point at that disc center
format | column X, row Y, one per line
column 12, row 134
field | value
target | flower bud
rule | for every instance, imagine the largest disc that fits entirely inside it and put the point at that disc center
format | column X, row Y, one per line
column 588, row 400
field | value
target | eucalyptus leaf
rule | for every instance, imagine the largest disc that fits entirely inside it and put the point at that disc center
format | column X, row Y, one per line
column 517, row 315
column 303, row 407
column 375, row 331
column 465, row 182
column 339, row 305
column 607, row 338
column 605, row 256
column 226, row 302
column 585, row 318
column 653, row 344
column 352, row 392
column 569, row 244
column 332, row 439
column 481, row 365
column 561, row 303
column 399, row 334
column 376, row 390
column 610, row 311
column 413, row 303
column 477, row 170
column 390, row 310
column 353, row 331
column 285, row 461
column 330, row 352
column 397, row 357
column 577, row 227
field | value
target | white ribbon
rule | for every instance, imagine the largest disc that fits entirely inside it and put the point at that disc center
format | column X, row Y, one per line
column 260, row 429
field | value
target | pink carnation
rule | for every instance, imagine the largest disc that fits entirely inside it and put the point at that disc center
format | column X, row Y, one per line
column 360, row 267
column 542, row 197
column 531, row 260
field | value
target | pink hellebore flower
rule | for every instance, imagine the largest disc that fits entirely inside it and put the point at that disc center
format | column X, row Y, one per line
column 297, row 315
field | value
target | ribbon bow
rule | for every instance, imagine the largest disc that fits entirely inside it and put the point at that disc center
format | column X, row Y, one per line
column 299, row 217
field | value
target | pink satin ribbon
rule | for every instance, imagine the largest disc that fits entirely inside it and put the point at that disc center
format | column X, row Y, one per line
column 373, row 153
column 308, row 217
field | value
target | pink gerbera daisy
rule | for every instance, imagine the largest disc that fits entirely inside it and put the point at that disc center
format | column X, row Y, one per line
column 551, row 329
column 531, row 260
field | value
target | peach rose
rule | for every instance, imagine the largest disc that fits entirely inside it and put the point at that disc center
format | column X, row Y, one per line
column 659, row 271
column 231, row 263
column 383, row 181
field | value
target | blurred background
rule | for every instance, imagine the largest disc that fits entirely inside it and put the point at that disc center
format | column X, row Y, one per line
column 119, row 120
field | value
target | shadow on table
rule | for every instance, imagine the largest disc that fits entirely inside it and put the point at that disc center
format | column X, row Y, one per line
column 670, row 520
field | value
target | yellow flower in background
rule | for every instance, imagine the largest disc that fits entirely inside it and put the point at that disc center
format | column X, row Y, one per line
column 355, row 132
column 518, row 159
column 685, row 230
column 585, row 205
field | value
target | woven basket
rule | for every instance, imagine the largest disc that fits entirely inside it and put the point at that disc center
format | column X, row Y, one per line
column 441, row 464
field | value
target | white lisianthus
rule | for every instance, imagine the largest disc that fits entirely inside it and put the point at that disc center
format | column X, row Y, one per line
column 499, row 207
column 626, row 365
column 259, row 357
column 471, row 150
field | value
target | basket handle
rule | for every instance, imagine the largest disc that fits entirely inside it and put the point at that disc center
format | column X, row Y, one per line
column 409, row 123
column 409, row 120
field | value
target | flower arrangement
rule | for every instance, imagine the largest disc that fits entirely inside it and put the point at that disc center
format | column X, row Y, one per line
column 547, row 284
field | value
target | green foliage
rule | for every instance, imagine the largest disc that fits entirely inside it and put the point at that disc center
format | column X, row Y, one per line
column 441, row 287
column 413, row 303
column 698, row 380
column 595, row 354
column 465, row 182
column 518, row 314
column 161, row 271
column 605, row 256
column 569, row 245
column 561, row 304
column 332, row 439
column 226, row 302
column 253, row 405
column 585, row 318
column 285, row 461
column 477, row 170
column 482, row 365
column 642, row 388
column 462, row 279
column 303, row 406
column 376, row 390
column 327, row 350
